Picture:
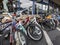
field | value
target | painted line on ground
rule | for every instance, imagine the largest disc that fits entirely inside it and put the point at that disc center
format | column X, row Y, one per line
column 0, row 35
column 58, row 28
column 48, row 40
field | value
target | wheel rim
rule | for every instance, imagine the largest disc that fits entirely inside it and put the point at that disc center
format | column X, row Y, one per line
column 35, row 34
column 20, row 38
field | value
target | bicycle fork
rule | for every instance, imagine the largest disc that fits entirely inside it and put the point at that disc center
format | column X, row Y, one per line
column 11, row 37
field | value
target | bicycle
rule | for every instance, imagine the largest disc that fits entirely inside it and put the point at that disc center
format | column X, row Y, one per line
column 31, row 25
column 47, row 21
column 12, row 32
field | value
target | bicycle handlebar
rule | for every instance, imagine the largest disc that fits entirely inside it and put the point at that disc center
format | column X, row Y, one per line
column 6, row 27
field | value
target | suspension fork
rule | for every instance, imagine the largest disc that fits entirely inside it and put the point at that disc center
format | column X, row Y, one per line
column 36, row 21
column 21, row 27
column 12, row 34
column 53, row 21
column 11, row 37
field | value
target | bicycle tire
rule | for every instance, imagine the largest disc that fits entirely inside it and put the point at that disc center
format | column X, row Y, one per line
column 17, row 36
column 36, row 39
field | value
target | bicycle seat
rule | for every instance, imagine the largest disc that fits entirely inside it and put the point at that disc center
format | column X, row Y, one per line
column 1, row 17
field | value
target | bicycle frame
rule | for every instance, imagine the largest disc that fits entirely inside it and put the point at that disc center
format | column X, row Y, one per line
column 21, row 27
column 30, row 20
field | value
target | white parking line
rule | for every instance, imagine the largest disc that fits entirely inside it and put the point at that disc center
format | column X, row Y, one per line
column 58, row 28
column 48, row 40
column 0, row 35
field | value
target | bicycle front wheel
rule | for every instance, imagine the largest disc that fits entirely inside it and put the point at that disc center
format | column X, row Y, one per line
column 35, row 32
column 20, row 38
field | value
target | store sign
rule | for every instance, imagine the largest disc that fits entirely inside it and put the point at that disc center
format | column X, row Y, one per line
column 45, row 1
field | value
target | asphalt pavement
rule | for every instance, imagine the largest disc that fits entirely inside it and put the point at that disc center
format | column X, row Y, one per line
column 49, row 38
